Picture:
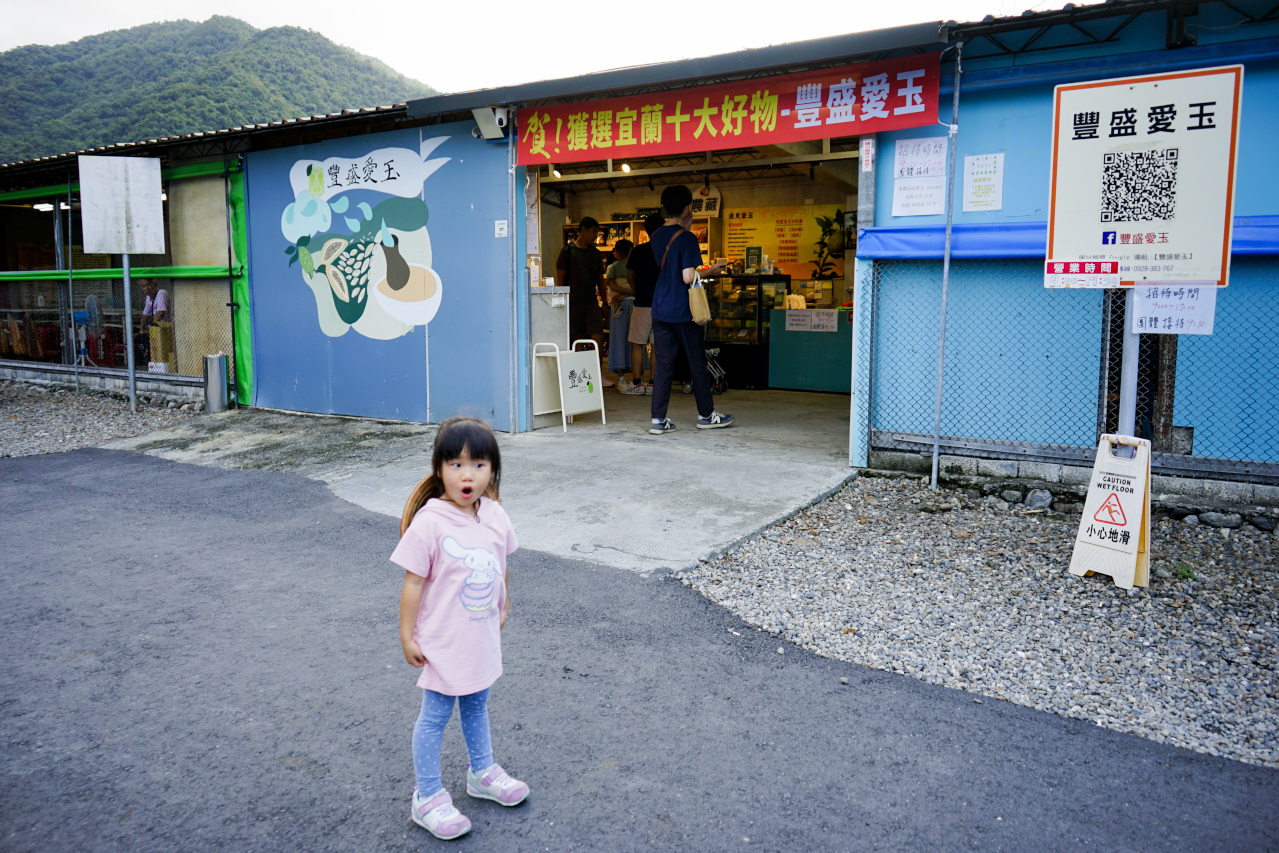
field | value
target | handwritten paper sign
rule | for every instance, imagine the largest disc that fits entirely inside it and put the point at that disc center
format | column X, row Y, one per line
column 1174, row 309
column 825, row 320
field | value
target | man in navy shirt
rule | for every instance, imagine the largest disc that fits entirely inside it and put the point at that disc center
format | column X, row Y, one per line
column 674, row 332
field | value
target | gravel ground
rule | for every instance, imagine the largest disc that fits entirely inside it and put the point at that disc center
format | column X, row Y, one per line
column 40, row 419
column 973, row 593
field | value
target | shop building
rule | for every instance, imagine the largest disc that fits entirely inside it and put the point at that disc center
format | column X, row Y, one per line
column 387, row 263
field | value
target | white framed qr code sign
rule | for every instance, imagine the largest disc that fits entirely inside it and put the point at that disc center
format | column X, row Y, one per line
column 1143, row 178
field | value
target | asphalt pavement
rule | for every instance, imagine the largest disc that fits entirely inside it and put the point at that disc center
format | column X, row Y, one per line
column 200, row 659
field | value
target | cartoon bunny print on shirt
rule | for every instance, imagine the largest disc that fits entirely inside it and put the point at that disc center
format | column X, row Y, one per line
column 477, row 594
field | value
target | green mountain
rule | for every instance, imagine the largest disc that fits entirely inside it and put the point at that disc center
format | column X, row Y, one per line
column 180, row 77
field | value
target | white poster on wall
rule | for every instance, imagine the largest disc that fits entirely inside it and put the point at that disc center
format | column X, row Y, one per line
column 983, row 182
column 122, row 212
column 919, row 177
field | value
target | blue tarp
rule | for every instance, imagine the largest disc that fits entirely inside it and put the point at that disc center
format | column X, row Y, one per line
column 1253, row 235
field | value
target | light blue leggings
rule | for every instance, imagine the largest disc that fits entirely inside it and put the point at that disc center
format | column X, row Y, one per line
column 428, row 735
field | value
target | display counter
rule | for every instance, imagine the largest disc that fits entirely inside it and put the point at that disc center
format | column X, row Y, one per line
column 811, row 350
column 741, row 308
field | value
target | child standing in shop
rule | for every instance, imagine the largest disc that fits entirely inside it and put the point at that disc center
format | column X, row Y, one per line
column 454, row 540
column 620, row 299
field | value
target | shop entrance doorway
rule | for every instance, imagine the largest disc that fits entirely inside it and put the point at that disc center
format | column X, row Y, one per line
column 782, row 321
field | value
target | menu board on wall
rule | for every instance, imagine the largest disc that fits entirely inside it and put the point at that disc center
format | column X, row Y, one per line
column 803, row 241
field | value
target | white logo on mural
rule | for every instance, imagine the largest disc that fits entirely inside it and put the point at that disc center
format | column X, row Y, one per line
column 368, row 266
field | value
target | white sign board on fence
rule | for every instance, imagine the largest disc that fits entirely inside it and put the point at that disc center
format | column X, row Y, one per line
column 1173, row 309
column 121, row 206
column 1143, row 174
column 1114, row 532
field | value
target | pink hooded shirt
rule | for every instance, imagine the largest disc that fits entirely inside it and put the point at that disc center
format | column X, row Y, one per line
column 463, row 559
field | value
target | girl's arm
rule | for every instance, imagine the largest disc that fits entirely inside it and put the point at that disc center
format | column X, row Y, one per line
column 506, row 599
column 410, row 602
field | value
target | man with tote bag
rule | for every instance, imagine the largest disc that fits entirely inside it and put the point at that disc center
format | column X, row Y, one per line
column 675, row 333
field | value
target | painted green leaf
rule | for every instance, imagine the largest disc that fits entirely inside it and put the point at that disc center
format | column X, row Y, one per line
column 308, row 263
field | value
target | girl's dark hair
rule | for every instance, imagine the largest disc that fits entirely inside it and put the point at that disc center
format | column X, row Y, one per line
column 456, row 435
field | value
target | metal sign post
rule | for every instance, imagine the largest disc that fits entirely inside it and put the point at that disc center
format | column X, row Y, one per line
column 122, row 213
column 130, row 361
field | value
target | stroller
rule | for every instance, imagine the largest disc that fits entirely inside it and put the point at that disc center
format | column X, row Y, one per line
column 719, row 379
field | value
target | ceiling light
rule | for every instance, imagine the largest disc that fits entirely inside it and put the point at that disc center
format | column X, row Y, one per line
column 626, row 167
column 43, row 207
column 555, row 171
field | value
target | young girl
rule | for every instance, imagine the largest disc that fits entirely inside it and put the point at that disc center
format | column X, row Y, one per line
column 454, row 538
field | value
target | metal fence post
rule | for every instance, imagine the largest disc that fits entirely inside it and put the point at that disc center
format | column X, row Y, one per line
column 945, row 274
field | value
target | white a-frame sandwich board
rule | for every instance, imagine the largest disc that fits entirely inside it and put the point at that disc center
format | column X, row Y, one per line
column 1114, row 533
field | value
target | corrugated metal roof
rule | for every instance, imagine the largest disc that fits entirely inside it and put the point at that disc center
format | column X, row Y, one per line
column 244, row 129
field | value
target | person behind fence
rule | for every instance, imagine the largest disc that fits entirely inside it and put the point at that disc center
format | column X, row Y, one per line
column 674, row 332
column 621, row 298
column 454, row 541
column 156, row 308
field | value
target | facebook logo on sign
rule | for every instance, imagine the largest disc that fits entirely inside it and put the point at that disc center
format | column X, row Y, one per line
column 1108, row 238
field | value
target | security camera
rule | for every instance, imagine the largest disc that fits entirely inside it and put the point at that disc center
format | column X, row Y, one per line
column 501, row 115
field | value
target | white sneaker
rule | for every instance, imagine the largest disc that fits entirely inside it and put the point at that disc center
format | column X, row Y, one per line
column 438, row 816
column 634, row 389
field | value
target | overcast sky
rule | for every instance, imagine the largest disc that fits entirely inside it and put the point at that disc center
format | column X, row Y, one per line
column 457, row 46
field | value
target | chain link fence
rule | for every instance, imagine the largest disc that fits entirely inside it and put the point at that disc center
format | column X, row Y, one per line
column 83, row 323
column 1034, row 374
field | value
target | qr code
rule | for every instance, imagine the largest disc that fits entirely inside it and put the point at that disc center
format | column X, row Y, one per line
column 1138, row 186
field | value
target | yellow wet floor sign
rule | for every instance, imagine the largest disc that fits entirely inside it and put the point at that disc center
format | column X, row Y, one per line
column 1114, row 533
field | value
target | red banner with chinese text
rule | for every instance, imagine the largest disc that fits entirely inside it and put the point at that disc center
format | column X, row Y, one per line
column 845, row 101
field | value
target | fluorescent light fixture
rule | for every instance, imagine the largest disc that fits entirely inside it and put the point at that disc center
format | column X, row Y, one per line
column 43, row 207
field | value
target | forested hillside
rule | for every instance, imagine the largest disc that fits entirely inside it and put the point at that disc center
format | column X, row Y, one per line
column 179, row 77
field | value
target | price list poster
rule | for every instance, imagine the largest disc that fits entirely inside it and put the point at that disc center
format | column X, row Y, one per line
column 791, row 236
